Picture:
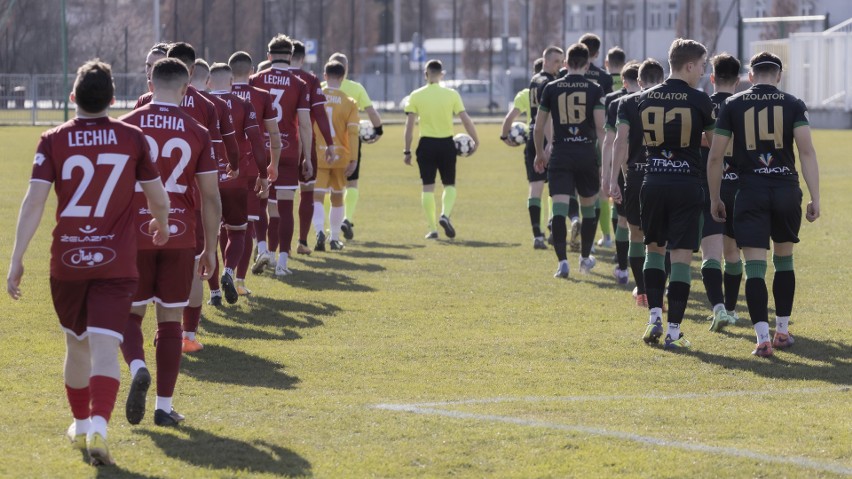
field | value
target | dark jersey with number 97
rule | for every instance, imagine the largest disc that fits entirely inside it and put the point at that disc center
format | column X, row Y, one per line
column 571, row 102
column 761, row 120
column 674, row 115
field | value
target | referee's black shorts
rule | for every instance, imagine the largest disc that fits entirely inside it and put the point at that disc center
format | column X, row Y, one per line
column 437, row 155
column 355, row 174
column 529, row 160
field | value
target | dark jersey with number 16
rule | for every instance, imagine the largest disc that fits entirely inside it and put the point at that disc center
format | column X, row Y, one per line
column 761, row 120
column 537, row 84
column 571, row 102
column 674, row 115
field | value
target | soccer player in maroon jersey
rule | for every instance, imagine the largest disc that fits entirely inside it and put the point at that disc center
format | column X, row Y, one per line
column 320, row 117
column 241, row 68
column 198, row 79
column 93, row 162
column 183, row 153
column 235, row 191
column 292, row 109
column 157, row 52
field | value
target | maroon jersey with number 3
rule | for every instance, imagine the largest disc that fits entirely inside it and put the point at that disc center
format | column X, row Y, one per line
column 181, row 149
column 94, row 164
column 261, row 100
column 289, row 95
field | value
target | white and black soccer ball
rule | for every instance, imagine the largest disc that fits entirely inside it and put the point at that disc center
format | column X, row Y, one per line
column 518, row 133
column 366, row 130
column 464, row 144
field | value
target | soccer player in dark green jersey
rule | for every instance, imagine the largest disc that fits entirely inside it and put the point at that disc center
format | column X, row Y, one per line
column 630, row 73
column 523, row 103
column 674, row 115
column 629, row 156
column 574, row 106
column 718, row 238
column 765, row 122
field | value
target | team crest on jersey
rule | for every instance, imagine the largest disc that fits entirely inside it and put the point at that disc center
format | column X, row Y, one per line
column 766, row 158
column 573, row 130
column 667, row 154
column 39, row 159
column 89, row 257
column 87, row 230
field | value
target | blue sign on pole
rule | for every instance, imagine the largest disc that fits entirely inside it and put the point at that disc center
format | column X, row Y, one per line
column 310, row 51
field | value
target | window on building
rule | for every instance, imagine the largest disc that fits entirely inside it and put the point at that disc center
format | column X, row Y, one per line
column 589, row 17
column 630, row 17
column 655, row 17
column 807, row 8
column 613, row 18
column 671, row 15
column 760, row 9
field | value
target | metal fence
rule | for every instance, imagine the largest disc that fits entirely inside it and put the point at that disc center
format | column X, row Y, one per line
column 40, row 99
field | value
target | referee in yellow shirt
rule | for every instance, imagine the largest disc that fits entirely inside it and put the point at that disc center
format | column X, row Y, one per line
column 436, row 106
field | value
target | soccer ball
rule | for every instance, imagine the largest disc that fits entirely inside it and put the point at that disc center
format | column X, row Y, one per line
column 518, row 133
column 366, row 130
column 464, row 144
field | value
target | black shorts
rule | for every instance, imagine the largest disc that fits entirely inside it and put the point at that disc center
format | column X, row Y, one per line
column 709, row 226
column 355, row 174
column 631, row 200
column 763, row 212
column 529, row 159
column 437, row 155
column 728, row 193
column 671, row 212
column 574, row 168
column 619, row 207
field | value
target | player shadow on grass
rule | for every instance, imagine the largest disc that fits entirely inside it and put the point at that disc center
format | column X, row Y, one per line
column 379, row 245
column 337, row 262
column 324, row 280
column 108, row 472
column 280, row 314
column 221, row 364
column 477, row 244
column 229, row 457
column 833, row 358
column 354, row 253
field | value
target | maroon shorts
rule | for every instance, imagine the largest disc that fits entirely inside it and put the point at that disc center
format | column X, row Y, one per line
column 234, row 206
column 310, row 180
column 165, row 276
column 93, row 306
column 288, row 174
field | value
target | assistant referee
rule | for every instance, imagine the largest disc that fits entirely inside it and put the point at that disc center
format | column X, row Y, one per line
column 436, row 106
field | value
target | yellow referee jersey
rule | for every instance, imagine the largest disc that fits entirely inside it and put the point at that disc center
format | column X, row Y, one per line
column 436, row 106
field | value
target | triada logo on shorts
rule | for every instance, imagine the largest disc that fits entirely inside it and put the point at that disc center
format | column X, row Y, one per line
column 766, row 158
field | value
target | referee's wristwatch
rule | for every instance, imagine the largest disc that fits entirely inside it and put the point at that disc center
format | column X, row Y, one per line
column 406, row 152
column 504, row 138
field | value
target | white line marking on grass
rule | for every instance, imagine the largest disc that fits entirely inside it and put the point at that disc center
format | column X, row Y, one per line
column 432, row 409
column 530, row 399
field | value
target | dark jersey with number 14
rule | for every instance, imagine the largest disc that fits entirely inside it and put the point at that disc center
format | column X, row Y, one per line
column 571, row 102
column 674, row 115
column 762, row 120
column 537, row 84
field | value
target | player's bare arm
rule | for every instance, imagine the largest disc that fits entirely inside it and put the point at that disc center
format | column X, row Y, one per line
column 619, row 158
column 507, row 124
column 158, row 205
column 306, row 136
column 715, row 167
column 470, row 129
column 32, row 209
column 274, row 148
column 408, row 135
column 542, row 122
column 810, row 169
column 211, row 213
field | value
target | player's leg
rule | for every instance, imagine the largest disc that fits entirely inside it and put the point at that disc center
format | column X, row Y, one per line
column 235, row 224
column 733, row 274
column 285, row 199
column 712, row 248
column 168, row 351
column 561, row 185
column 622, row 247
column 428, row 166
column 350, row 198
column 786, row 221
column 752, row 222
column 636, row 248
column 133, row 345
column 654, row 224
column 319, row 209
column 587, row 182
column 245, row 259
column 535, row 211
column 604, row 212
column 447, row 169
column 192, row 313
column 76, row 373
column 336, row 184
column 306, row 204
column 214, row 283
column 108, row 305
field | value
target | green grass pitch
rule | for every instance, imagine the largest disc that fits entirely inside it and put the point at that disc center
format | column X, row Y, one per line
column 399, row 357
